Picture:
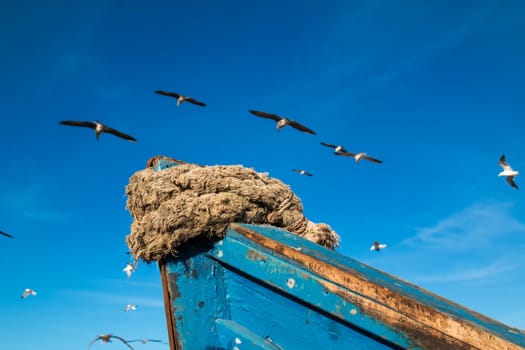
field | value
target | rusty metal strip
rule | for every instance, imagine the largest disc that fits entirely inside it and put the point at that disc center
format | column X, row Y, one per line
column 168, row 309
column 401, row 306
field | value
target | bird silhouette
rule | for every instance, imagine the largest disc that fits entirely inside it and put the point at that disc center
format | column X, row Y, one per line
column 180, row 98
column 129, row 307
column 508, row 172
column 129, row 269
column 302, row 172
column 144, row 341
column 99, row 129
column 377, row 246
column 338, row 149
column 282, row 122
column 5, row 234
column 359, row 156
column 28, row 292
column 106, row 338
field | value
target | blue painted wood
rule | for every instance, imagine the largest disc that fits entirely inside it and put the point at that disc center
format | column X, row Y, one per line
column 234, row 336
column 236, row 294
column 212, row 296
column 384, row 279
column 198, row 296
column 162, row 164
column 286, row 295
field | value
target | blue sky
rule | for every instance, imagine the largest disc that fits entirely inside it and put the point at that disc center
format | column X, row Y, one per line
column 435, row 89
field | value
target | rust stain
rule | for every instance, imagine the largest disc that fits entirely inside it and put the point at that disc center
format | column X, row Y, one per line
column 424, row 325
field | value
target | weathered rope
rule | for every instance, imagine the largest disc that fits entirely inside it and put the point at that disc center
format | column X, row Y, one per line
column 172, row 206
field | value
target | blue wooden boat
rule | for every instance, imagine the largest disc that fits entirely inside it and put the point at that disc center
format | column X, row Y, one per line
column 261, row 287
column 264, row 288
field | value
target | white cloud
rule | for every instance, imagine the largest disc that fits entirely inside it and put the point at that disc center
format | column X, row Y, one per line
column 113, row 298
column 495, row 268
column 476, row 226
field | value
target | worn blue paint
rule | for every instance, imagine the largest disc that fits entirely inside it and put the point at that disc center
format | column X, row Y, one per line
column 236, row 293
column 216, row 305
column 198, row 298
column 264, row 270
column 383, row 279
column 162, row 164
column 232, row 334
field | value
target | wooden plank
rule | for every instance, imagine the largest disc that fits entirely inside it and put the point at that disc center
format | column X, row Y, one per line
column 234, row 336
column 198, row 299
column 234, row 301
column 172, row 330
column 428, row 320
column 287, row 280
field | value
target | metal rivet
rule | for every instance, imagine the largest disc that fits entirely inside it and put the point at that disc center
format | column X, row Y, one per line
column 219, row 242
column 219, row 253
column 353, row 312
column 290, row 283
column 238, row 341
column 235, row 348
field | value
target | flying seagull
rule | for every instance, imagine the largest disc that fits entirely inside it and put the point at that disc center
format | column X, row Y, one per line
column 28, row 292
column 106, row 338
column 130, row 307
column 302, row 172
column 99, row 128
column 282, row 122
column 129, row 269
column 359, row 156
column 377, row 246
column 180, row 98
column 508, row 172
column 144, row 341
column 338, row 149
column 5, row 234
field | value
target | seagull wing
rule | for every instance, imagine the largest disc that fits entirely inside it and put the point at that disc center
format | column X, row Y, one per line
column 144, row 341
column 382, row 246
column 74, row 123
column 5, row 234
column 122, row 340
column 301, row 127
column 266, row 115
column 195, row 102
column 373, row 247
column 119, row 134
column 93, row 342
column 503, row 163
column 167, row 93
column 302, row 172
column 373, row 159
column 329, row 145
column 510, row 180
